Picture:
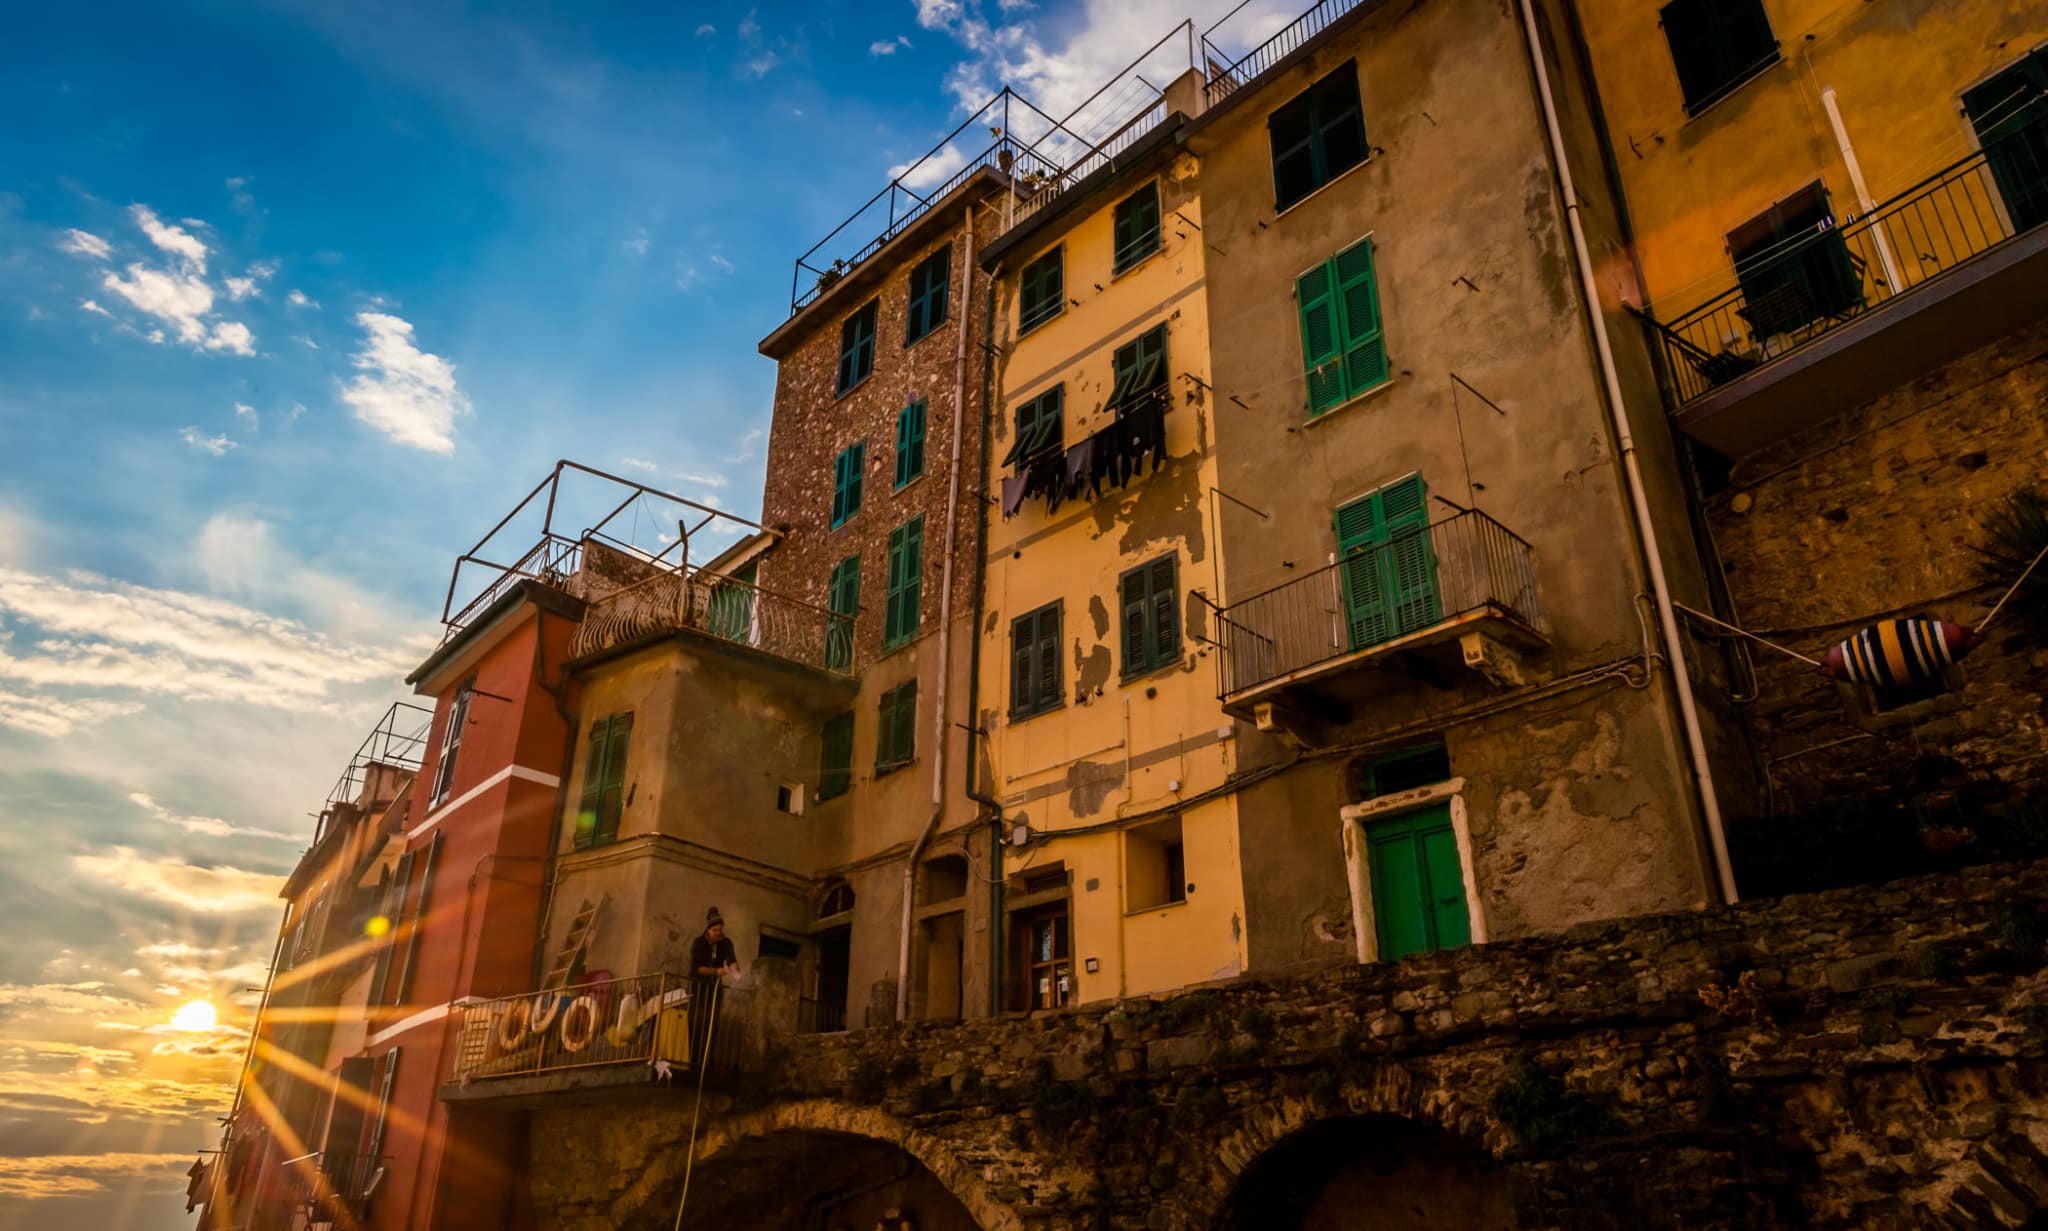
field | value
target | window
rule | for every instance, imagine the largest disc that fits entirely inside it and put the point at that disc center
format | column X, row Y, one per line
column 387, row 1065
column 1047, row 965
column 1317, row 136
column 779, row 947
column 1424, row 765
column 847, row 470
column 906, row 583
column 835, row 773
column 927, row 309
column 2010, row 115
column 789, row 797
column 1151, row 616
column 1343, row 345
column 451, row 743
column 1038, row 427
column 836, row 900
column 1041, row 291
column 843, row 599
column 1794, row 266
column 896, row 736
column 1156, row 871
column 1035, row 683
column 857, row 346
column 604, row 781
column 1140, row 368
column 1716, row 45
column 1135, row 228
column 909, row 442
column 1418, row 884
column 1388, row 578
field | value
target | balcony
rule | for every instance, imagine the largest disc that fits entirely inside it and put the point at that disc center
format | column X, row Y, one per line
column 724, row 610
column 596, row 1034
column 1460, row 593
column 1842, row 312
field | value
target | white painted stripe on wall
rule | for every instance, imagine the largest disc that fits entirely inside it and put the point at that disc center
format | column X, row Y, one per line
column 520, row 772
column 421, row 1018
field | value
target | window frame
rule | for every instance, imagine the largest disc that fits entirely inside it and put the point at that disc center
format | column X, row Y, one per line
column 896, row 728
column 603, row 747
column 1050, row 408
column 918, row 319
column 1316, row 129
column 910, row 434
column 857, row 351
column 1130, row 363
column 1039, row 699
column 1337, row 373
column 1154, row 653
column 1054, row 260
column 849, row 482
column 902, row 611
column 1127, row 253
column 451, row 743
column 1730, row 74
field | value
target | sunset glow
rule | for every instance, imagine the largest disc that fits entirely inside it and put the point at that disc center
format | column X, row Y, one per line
column 196, row 1016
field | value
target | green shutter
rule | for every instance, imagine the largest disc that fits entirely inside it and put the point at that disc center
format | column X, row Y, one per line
column 928, row 286
column 1151, row 616
column 910, row 442
column 843, row 598
column 1418, row 884
column 847, row 473
column 1319, row 343
column 1048, row 681
column 1361, row 529
column 906, row 722
column 1358, row 306
column 1134, row 621
column 1135, row 228
column 593, row 785
column 1035, row 684
column 1041, row 290
column 612, row 801
column 905, row 589
column 835, row 774
column 1165, row 612
column 1388, row 568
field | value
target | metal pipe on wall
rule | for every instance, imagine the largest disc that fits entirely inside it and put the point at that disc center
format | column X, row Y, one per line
column 1864, row 200
column 1639, row 502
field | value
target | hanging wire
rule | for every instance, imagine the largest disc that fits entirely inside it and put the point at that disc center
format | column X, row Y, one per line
column 2015, row 589
column 1743, row 632
column 703, row 1066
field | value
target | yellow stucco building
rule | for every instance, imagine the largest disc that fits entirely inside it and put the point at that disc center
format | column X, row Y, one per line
column 1107, row 749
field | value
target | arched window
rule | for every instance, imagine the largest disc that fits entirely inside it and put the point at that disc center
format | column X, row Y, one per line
column 836, row 900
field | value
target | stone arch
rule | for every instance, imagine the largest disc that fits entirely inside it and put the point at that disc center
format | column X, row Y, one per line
column 727, row 1137
column 2002, row 1185
column 1391, row 1171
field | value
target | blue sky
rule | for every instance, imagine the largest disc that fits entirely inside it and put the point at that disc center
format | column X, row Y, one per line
column 295, row 300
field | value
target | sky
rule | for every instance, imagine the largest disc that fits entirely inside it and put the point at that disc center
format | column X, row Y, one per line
column 295, row 301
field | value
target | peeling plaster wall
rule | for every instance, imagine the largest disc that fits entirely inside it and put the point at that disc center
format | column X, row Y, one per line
column 1579, row 798
column 1066, row 769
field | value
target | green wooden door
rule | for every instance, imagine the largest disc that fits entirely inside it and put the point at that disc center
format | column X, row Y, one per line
column 1388, row 573
column 1418, row 884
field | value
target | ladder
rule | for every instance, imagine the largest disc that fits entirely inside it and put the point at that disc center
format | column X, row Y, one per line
column 573, row 945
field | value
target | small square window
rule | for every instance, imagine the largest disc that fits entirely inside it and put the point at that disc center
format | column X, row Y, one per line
column 1155, row 863
column 789, row 797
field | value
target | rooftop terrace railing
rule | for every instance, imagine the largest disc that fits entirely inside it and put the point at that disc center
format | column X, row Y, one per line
column 1227, row 76
column 1418, row 580
column 1822, row 278
column 723, row 608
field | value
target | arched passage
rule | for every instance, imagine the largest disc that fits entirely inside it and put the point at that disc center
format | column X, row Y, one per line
column 1381, row 1172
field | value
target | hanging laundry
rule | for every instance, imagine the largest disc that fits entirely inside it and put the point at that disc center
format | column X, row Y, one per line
column 1013, row 494
column 1899, row 654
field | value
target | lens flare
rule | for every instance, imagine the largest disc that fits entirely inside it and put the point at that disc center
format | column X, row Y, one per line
column 377, row 926
column 195, row 1015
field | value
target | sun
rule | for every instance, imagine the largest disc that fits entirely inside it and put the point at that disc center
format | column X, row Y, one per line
column 195, row 1015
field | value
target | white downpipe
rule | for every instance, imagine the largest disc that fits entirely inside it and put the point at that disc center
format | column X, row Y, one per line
column 939, row 726
column 1864, row 201
column 1617, row 410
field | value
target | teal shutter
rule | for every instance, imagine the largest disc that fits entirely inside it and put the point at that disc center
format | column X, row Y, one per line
column 1134, row 621
column 1358, row 304
column 847, row 472
column 1418, row 885
column 1135, row 228
column 1319, row 344
column 835, row 773
column 1151, row 616
column 857, row 346
column 905, row 589
column 1035, row 684
column 1388, row 566
column 843, row 598
column 612, row 798
column 1361, row 529
column 910, row 442
column 1047, row 654
column 593, row 785
column 1041, row 290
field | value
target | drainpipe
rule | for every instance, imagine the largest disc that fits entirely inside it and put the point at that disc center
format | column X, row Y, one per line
column 1864, row 200
column 1639, row 503
column 940, row 728
column 993, row 806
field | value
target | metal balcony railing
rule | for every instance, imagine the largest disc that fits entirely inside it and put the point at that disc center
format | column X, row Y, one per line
column 1417, row 580
column 635, row 1020
column 819, row 1017
column 1260, row 60
column 1822, row 278
column 724, row 608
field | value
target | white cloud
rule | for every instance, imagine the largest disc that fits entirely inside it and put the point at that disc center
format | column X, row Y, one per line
column 247, row 414
column 241, row 288
column 44, row 1177
column 231, row 336
column 85, row 243
column 216, row 445
column 57, row 716
column 205, row 826
column 721, row 262
column 175, row 240
column 937, row 14
column 636, row 243
column 750, row 29
column 887, row 47
column 761, row 65
column 305, row 341
column 687, row 276
column 408, row 394
column 93, row 307
column 219, row 890
column 933, row 170
column 299, row 299
column 706, row 30
column 177, row 298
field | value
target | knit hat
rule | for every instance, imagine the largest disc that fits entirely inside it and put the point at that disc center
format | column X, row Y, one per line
column 713, row 919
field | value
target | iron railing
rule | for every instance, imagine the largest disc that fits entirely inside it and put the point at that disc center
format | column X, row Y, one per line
column 1260, row 60
column 552, row 560
column 1826, row 276
column 1095, row 158
column 819, row 1017
column 635, row 1020
column 1417, row 580
column 721, row 607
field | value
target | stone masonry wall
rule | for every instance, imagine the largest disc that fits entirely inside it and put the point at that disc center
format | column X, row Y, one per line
column 1857, row 1059
column 1879, row 513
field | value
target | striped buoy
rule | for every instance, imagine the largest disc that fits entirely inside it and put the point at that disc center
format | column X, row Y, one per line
column 1899, row 653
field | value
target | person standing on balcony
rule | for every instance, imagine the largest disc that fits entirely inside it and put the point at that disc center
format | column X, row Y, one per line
column 712, row 958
